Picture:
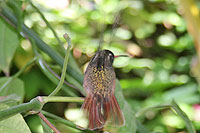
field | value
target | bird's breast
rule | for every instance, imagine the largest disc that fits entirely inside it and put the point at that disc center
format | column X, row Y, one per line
column 100, row 81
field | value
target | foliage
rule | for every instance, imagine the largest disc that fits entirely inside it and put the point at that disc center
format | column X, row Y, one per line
column 153, row 32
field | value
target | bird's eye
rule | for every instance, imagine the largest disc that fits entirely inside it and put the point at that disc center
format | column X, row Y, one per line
column 110, row 54
column 110, row 57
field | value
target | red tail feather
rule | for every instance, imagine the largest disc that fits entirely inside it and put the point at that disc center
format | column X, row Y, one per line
column 100, row 109
column 116, row 116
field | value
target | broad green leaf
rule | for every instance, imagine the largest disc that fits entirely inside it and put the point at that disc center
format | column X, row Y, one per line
column 187, row 93
column 12, row 86
column 8, row 43
column 130, row 121
column 14, row 124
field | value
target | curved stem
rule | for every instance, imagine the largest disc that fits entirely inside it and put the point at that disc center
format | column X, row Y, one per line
column 141, row 112
column 64, row 66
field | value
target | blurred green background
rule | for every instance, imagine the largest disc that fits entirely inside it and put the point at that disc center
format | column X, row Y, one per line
column 163, row 61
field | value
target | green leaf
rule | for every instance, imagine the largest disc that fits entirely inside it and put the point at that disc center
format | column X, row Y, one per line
column 14, row 124
column 185, row 94
column 8, row 86
column 130, row 121
column 8, row 43
column 10, row 100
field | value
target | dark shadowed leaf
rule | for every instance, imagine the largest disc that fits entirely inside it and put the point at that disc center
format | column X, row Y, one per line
column 8, row 43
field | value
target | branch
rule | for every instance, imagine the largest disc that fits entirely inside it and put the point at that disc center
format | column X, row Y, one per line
column 35, row 105
column 48, row 122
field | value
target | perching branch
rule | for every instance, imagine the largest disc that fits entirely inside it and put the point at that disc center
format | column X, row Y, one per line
column 34, row 105
column 62, row 99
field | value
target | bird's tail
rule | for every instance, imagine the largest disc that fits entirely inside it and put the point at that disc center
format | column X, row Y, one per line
column 100, row 110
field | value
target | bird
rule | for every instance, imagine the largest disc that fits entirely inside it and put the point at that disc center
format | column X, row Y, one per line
column 100, row 105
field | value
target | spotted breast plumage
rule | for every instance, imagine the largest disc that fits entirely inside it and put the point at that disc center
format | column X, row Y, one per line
column 100, row 104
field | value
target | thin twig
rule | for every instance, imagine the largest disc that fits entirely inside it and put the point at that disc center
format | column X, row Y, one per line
column 18, row 73
column 48, row 122
column 59, row 86
column 116, row 23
